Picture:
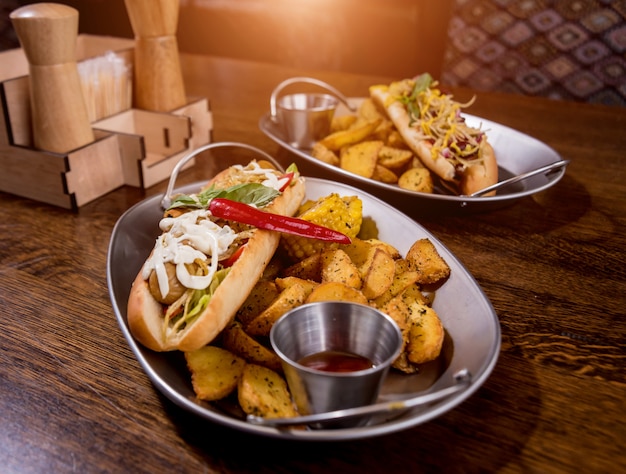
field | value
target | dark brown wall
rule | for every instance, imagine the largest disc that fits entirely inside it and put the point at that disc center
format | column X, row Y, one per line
column 397, row 38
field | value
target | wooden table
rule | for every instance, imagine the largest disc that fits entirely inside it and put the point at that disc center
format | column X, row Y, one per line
column 74, row 399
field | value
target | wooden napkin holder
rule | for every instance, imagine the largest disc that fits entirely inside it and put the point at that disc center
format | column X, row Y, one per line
column 134, row 147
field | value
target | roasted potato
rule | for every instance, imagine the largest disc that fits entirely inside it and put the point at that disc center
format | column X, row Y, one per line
column 322, row 153
column 425, row 333
column 384, row 175
column 379, row 274
column 272, row 269
column 383, row 130
column 361, row 158
column 417, row 179
column 263, row 392
column 360, row 251
column 413, row 293
column 261, row 296
column 215, row 372
column 335, row 291
column 291, row 297
column 338, row 140
column 240, row 343
column 424, row 259
column 342, row 122
column 387, row 247
column 397, row 310
column 284, row 283
column 369, row 111
column 309, row 268
column 395, row 140
column 337, row 267
column 394, row 158
column 401, row 281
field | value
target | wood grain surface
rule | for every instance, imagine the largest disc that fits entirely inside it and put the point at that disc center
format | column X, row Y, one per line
column 74, row 398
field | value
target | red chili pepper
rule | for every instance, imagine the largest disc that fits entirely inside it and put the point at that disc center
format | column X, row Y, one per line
column 239, row 212
column 289, row 176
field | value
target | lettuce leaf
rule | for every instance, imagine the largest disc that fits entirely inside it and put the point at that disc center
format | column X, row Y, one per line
column 198, row 300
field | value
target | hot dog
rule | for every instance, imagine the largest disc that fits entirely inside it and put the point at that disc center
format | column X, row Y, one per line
column 202, row 268
column 431, row 125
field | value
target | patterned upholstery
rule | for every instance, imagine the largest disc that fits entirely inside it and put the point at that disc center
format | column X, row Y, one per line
column 563, row 49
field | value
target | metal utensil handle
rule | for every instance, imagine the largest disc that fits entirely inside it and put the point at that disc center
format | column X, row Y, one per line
column 167, row 198
column 462, row 381
column 308, row 80
column 544, row 169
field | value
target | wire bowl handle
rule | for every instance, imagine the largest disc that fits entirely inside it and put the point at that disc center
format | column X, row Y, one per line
column 309, row 80
column 166, row 202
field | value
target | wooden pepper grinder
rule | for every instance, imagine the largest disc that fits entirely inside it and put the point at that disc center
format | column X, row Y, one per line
column 158, row 80
column 47, row 33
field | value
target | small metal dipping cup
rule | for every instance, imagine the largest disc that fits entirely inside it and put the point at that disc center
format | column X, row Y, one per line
column 305, row 118
column 335, row 326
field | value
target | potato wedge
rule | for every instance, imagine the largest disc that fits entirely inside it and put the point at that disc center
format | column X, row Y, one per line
column 261, row 296
column 417, row 179
column 263, row 392
column 288, row 299
column 364, row 256
column 215, row 372
column 402, row 265
column 322, row 153
column 424, row 259
column 413, row 293
column 286, row 282
column 382, row 131
column 273, row 269
column 394, row 158
column 425, row 334
column 379, row 275
column 398, row 311
column 335, row 291
column 401, row 281
column 309, row 268
column 361, row 158
column 387, row 247
column 395, row 140
column 384, row 175
column 337, row 266
column 369, row 110
column 359, row 251
column 338, row 140
column 237, row 341
column 342, row 122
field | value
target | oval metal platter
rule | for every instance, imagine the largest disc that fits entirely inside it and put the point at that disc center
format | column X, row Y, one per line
column 516, row 152
column 472, row 339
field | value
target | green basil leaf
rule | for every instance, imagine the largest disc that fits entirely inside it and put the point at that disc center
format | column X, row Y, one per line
column 422, row 83
column 249, row 193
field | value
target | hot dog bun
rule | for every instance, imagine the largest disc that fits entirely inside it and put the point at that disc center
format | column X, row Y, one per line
column 479, row 176
column 146, row 315
column 473, row 175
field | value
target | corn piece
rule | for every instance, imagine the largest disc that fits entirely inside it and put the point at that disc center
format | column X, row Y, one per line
column 344, row 214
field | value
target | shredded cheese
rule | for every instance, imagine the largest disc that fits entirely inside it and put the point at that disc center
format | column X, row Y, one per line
column 438, row 118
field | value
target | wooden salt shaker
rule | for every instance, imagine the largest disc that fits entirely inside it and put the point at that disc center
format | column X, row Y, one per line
column 158, row 80
column 47, row 33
